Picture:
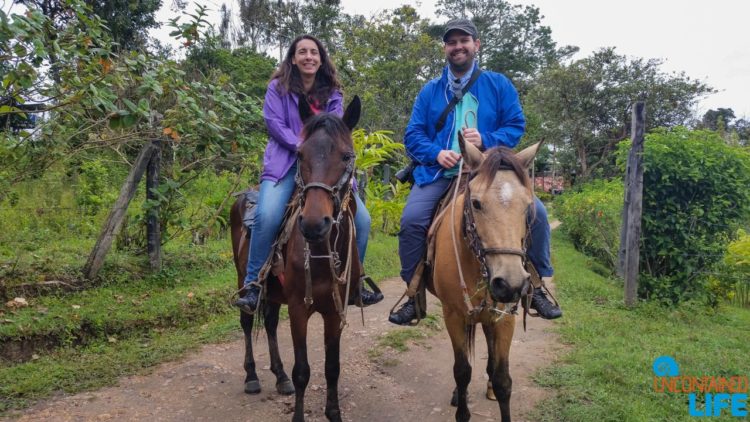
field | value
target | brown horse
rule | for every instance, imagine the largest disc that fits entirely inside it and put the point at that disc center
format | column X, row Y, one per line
column 320, row 265
column 479, row 265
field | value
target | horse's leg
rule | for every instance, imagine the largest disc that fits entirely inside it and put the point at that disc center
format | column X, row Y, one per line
column 489, row 335
column 298, row 318
column 501, row 381
column 283, row 383
column 333, row 366
column 456, row 325
column 252, row 384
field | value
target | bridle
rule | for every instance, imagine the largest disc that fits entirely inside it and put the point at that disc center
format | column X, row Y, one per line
column 343, row 183
column 340, row 209
column 474, row 241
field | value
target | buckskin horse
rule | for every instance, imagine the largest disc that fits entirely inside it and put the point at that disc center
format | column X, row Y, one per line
column 479, row 271
column 318, row 268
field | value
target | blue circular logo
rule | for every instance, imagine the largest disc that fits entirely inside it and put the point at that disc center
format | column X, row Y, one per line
column 666, row 366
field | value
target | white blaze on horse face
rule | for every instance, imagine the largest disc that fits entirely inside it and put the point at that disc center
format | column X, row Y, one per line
column 506, row 194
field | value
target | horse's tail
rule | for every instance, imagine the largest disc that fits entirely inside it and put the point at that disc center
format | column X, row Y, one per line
column 470, row 332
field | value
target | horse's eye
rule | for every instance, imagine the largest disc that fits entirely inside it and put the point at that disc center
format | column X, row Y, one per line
column 348, row 157
column 476, row 204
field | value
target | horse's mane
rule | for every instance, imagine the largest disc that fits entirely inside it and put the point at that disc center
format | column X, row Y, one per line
column 502, row 158
column 330, row 123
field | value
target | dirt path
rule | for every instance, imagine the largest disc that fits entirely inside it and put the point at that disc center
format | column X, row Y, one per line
column 414, row 385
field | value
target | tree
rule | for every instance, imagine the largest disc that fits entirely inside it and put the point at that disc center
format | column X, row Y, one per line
column 128, row 22
column 716, row 119
column 514, row 42
column 386, row 60
column 586, row 104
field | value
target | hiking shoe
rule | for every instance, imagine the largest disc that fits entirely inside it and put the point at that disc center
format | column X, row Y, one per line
column 367, row 297
column 249, row 303
column 543, row 306
column 406, row 313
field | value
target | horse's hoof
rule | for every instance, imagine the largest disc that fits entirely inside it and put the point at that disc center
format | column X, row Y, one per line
column 252, row 387
column 334, row 415
column 491, row 394
column 285, row 387
column 454, row 398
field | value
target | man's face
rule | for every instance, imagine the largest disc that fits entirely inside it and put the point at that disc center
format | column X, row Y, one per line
column 460, row 50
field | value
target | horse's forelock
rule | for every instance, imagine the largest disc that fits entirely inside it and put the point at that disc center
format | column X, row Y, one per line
column 501, row 158
column 331, row 124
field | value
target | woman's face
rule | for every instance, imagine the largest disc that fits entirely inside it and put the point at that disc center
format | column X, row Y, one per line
column 307, row 57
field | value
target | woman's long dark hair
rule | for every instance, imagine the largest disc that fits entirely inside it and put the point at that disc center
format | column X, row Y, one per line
column 326, row 80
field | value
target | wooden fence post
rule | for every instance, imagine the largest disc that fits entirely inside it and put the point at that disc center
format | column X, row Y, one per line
column 153, row 226
column 117, row 214
column 630, row 236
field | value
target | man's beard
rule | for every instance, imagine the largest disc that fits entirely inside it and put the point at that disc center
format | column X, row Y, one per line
column 465, row 66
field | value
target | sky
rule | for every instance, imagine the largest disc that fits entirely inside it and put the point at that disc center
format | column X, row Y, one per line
column 708, row 40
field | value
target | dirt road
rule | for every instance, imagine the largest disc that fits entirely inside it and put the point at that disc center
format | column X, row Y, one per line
column 415, row 385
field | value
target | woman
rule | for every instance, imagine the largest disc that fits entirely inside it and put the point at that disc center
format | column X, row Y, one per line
column 306, row 74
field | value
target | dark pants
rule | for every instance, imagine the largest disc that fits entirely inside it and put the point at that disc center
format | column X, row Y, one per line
column 417, row 216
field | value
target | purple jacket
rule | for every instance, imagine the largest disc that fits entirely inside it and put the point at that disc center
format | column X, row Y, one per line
column 284, row 128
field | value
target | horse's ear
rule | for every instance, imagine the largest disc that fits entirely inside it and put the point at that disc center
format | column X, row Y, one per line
column 526, row 156
column 351, row 115
column 305, row 112
column 473, row 157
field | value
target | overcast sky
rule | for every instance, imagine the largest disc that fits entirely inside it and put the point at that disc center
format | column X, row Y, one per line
column 708, row 40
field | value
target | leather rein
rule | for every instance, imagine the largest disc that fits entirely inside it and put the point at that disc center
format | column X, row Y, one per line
column 474, row 241
column 340, row 210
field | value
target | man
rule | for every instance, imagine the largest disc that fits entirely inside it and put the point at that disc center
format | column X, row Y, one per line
column 488, row 114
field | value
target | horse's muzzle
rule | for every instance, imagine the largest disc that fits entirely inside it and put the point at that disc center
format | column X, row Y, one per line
column 315, row 231
column 503, row 292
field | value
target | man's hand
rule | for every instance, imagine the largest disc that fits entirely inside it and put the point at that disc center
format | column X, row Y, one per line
column 472, row 136
column 448, row 158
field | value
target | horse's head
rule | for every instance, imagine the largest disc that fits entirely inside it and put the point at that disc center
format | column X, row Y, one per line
column 325, row 166
column 498, row 201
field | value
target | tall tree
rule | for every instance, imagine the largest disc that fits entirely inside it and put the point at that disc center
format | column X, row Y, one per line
column 586, row 104
column 716, row 119
column 386, row 60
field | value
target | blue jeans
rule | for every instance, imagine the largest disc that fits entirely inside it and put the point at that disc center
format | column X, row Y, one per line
column 272, row 200
column 417, row 217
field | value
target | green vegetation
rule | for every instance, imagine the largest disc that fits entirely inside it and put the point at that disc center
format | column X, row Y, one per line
column 85, row 340
column 606, row 373
column 592, row 216
column 694, row 201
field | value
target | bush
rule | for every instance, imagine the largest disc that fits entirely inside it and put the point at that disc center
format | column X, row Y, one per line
column 731, row 280
column 695, row 197
column 592, row 218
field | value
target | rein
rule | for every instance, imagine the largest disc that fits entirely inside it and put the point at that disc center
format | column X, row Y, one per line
column 341, row 208
column 474, row 241
column 332, row 190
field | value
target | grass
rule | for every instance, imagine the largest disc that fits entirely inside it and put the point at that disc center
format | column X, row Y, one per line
column 381, row 260
column 130, row 323
column 607, row 374
column 400, row 338
column 101, row 363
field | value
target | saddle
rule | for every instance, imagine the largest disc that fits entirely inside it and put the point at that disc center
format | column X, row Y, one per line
column 275, row 263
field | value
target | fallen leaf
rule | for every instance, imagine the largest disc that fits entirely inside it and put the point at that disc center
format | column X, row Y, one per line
column 76, row 306
column 112, row 339
column 18, row 302
column 190, row 295
column 34, row 356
